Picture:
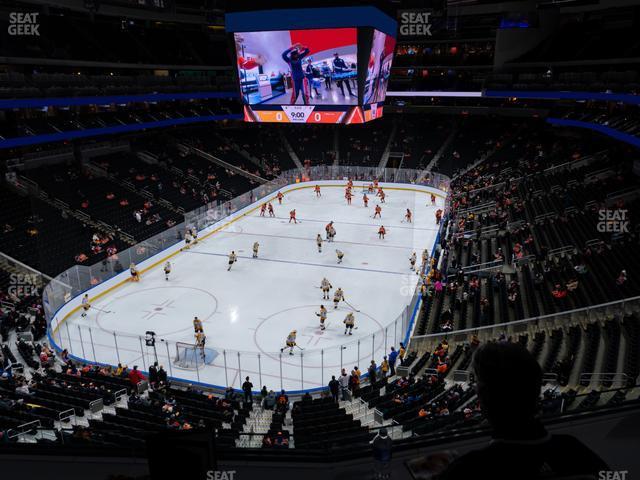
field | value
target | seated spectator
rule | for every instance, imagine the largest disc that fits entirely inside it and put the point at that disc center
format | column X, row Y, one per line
column 508, row 383
column 136, row 376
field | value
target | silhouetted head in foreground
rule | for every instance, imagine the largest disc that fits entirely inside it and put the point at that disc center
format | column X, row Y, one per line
column 509, row 380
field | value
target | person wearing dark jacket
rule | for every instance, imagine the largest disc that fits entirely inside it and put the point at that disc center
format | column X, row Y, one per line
column 246, row 388
column 334, row 388
column 509, row 380
column 381, row 445
column 294, row 56
column 341, row 67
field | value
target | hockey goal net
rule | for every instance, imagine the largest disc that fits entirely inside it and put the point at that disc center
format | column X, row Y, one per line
column 191, row 356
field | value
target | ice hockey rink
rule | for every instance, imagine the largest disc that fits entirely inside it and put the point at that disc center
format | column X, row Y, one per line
column 248, row 312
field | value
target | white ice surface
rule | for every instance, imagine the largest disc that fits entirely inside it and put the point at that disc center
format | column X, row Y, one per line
column 253, row 307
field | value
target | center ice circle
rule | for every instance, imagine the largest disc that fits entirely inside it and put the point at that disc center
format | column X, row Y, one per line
column 157, row 309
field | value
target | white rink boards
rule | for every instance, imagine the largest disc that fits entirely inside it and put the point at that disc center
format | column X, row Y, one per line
column 248, row 312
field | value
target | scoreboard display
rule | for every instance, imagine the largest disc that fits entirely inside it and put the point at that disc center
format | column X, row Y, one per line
column 315, row 65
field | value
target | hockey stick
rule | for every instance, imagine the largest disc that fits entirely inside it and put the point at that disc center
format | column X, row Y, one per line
column 299, row 347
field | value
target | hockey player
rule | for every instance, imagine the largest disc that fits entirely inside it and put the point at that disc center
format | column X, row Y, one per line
column 379, row 192
column 317, row 190
column 337, row 296
column 319, row 243
column 433, row 200
column 167, row 270
column 290, row 342
column 365, row 199
column 85, row 305
column 412, row 261
column 381, row 232
column 370, row 189
column 408, row 216
column 292, row 216
column 279, row 196
column 348, row 195
column 325, row 286
column 197, row 325
column 187, row 240
column 375, row 183
column 350, row 184
column 382, row 196
column 328, row 228
column 271, row 212
column 194, row 236
column 340, row 255
column 332, row 233
column 425, row 257
column 323, row 316
column 378, row 212
column 256, row 246
column 349, row 322
column 201, row 340
column 232, row 259
column 263, row 209
column 135, row 275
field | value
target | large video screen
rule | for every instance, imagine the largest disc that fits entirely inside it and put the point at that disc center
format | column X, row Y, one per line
column 379, row 67
column 298, row 67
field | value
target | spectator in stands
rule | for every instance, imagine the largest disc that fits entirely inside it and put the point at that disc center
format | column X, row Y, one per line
column 508, row 383
column 270, row 400
column 282, row 402
column 559, row 292
column 153, row 374
column 393, row 355
column 334, row 388
column 372, row 371
column 344, row 385
column 136, row 376
column 384, row 366
column 162, row 376
column 622, row 278
column 401, row 353
column 246, row 389
column 381, row 446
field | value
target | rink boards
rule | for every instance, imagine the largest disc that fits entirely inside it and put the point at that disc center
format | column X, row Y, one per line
column 267, row 364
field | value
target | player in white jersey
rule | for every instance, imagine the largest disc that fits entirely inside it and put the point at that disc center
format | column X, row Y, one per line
column 85, row 305
column 187, row 240
column 135, row 274
column 412, row 261
column 325, row 286
column 319, row 243
column 233, row 258
column 197, row 325
column 340, row 255
column 256, row 246
column 290, row 342
column 194, row 235
column 349, row 323
column 337, row 296
column 323, row 316
column 201, row 340
column 167, row 270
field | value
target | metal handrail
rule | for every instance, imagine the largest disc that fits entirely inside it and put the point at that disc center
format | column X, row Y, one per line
column 529, row 320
